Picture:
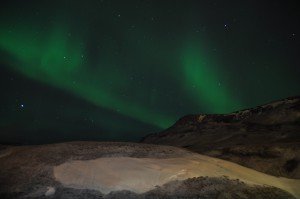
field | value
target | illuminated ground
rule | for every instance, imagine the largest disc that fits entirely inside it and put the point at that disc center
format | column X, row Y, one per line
column 129, row 170
column 143, row 174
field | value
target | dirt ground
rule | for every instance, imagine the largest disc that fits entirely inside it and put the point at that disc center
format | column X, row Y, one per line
column 130, row 170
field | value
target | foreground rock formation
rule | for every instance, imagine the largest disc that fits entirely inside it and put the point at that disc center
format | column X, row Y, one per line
column 128, row 170
column 265, row 138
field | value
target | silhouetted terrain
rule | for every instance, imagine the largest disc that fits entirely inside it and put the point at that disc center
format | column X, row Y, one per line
column 265, row 138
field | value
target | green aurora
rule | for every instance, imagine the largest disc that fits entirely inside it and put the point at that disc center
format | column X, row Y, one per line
column 59, row 61
column 144, row 68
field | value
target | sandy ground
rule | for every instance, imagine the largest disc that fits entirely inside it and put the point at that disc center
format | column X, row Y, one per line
column 143, row 174
column 5, row 152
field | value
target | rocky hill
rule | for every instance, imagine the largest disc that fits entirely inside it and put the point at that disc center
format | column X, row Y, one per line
column 265, row 138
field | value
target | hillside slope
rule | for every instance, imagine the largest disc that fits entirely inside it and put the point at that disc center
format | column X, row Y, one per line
column 265, row 138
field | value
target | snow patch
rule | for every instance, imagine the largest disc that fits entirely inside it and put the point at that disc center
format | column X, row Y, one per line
column 50, row 191
column 143, row 174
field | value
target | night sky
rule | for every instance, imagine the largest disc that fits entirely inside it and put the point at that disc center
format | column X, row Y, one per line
column 118, row 70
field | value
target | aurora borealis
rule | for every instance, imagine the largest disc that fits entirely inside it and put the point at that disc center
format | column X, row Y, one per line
column 118, row 70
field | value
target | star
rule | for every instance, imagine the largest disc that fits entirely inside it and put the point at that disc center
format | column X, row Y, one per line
column 293, row 35
column 226, row 26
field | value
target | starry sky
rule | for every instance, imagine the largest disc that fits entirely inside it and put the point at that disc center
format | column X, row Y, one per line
column 118, row 70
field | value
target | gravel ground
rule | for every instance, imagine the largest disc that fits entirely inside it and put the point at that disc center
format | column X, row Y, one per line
column 27, row 172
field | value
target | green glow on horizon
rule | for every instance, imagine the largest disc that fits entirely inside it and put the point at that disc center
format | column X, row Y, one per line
column 203, row 82
column 120, row 70
column 57, row 60
column 60, row 61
